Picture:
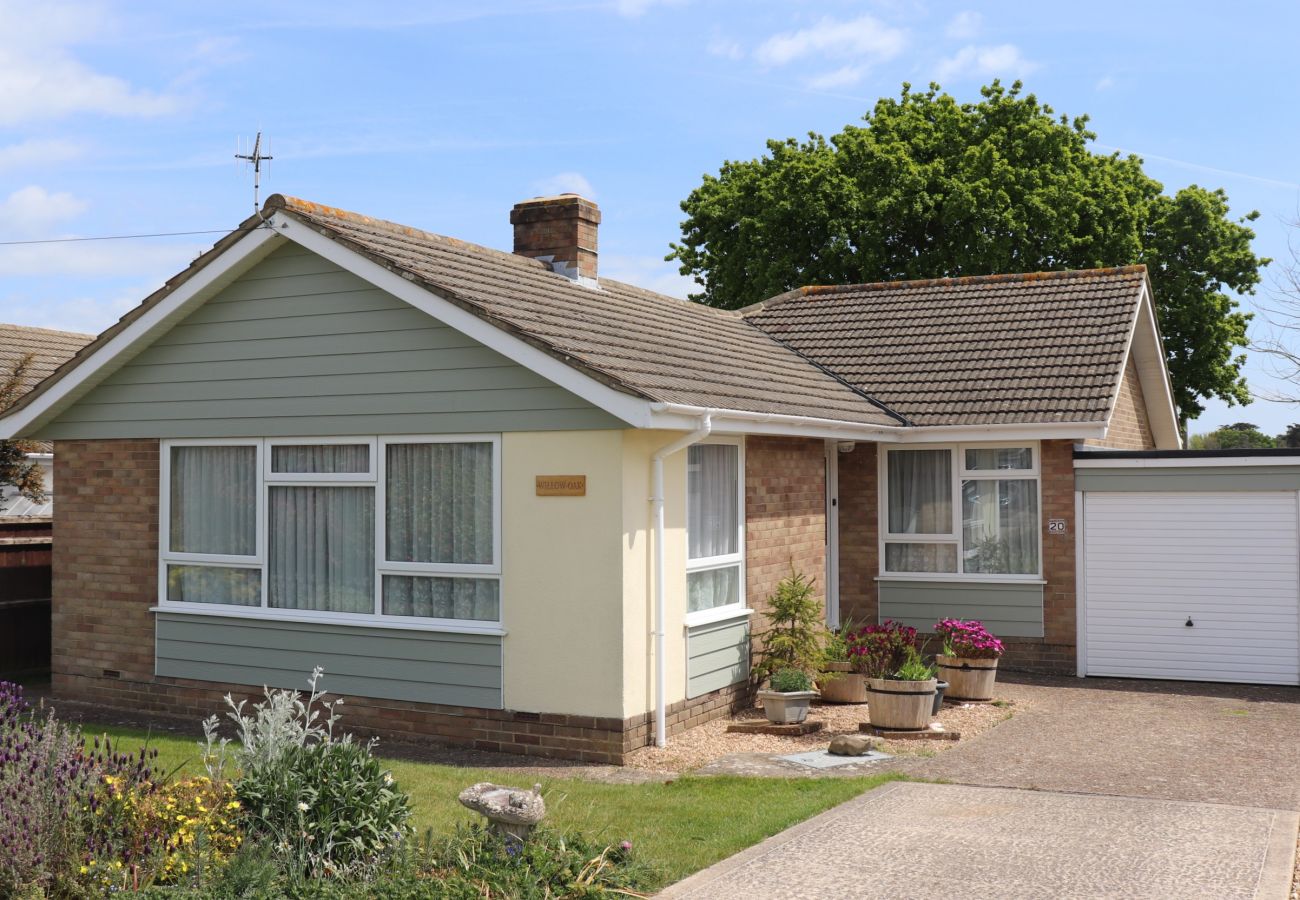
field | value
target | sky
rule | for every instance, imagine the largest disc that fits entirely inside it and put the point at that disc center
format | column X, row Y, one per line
column 124, row 118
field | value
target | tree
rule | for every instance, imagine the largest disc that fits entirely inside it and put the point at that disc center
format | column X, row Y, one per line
column 930, row 188
column 1238, row 436
column 16, row 470
column 1291, row 437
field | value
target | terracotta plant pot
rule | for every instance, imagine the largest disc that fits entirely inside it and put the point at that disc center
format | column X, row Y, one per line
column 968, row 679
column 844, row 685
column 901, row 705
column 786, row 708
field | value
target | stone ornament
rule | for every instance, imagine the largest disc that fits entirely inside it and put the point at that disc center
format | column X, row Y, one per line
column 512, row 812
column 851, row 745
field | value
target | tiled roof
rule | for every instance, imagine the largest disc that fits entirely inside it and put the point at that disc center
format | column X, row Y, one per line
column 1045, row 347
column 656, row 347
column 49, row 350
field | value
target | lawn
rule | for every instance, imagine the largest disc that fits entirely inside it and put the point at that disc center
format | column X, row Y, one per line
column 677, row 827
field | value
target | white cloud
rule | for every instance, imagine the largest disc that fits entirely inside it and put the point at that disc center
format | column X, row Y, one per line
column 725, row 48
column 98, row 259
column 86, row 314
column 41, row 79
column 29, row 211
column 964, row 26
column 634, row 8
column 1003, row 60
column 1104, row 84
column 37, row 152
column 565, row 183
column 865, row 39
column 649, row 272
column 845, row 76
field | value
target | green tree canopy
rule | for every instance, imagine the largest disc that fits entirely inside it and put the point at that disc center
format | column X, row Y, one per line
column 929, row 187
column 16, row 470
column 1238, row 436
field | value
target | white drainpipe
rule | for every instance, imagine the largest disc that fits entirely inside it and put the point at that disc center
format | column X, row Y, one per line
column 657, row 499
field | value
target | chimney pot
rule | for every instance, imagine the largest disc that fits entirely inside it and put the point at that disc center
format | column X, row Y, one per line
column 559, row 230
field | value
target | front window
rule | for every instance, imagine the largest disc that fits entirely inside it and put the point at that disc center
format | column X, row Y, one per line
column 714, row 527
column 961, row 510
column 361, row 528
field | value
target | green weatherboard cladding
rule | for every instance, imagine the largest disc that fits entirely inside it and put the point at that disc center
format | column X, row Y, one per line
column 717, row 655
column 1007, row 609
column 298, row 346
column 1190, row 478
column 386, row 663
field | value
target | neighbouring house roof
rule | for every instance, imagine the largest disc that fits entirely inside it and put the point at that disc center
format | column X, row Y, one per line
column 648, row 344
column 49, row 349
column 996, row 349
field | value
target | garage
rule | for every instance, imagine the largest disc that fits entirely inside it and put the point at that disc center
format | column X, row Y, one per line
column 1190, row 566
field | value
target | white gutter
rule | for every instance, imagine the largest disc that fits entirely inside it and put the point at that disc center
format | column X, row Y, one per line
column 657, row 501
column 836, row 428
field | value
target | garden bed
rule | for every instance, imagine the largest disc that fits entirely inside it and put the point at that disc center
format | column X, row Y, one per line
column 702, row 745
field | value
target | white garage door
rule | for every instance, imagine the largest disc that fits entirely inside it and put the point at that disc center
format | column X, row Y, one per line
column 1226, row 562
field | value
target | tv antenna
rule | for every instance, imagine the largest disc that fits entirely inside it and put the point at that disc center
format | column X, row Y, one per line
column 256, row 157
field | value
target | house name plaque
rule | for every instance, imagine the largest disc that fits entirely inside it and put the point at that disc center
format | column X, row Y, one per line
column 561, row 485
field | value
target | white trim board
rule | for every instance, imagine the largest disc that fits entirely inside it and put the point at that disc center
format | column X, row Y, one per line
column 1188, row 462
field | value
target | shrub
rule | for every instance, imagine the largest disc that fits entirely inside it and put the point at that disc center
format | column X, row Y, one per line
column 324, row 806
column 789, row 680
column 913, row 668
column 795, row 633
column 968, row 640
column 878, row 651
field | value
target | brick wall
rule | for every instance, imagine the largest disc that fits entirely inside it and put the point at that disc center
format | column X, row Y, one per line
column 859, row 536
column 785, row 514
column 105, row 580
column 1130, row 426
column 860, row 564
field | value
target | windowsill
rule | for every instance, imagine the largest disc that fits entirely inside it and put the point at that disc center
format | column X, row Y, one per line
column 948, row 577
column 713, row 616
column 258, row 614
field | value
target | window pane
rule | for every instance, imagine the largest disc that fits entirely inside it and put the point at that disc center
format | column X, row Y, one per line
column 439, row 503
column 213, row 500
column 993, row 458
column 713, row 504
column 214, row 584
column 442, row 598
column 1000, row 526
column 322, row 549
column 712, row 588
column 320, row 458
column 920, row 492
column 920, row 557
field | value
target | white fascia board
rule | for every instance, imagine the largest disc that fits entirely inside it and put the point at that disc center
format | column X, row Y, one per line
column 1153, row 371
column 226, row 267
column 1187, row 462
column 632, row 410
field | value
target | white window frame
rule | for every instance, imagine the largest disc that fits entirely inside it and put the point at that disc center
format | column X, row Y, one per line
column 373, row 479
column 959, row 474
column 707, row 563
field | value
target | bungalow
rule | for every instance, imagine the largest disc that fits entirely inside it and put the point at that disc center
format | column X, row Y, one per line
column 507, row 503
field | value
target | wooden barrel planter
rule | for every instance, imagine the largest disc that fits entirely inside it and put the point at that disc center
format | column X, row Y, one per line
column 968, row 679
column 900, row 705
column 844, row 685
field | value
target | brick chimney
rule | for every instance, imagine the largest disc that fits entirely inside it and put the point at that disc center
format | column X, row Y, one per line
column 561, row 231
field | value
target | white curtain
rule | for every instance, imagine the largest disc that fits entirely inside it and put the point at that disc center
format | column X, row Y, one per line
column 213, row 500
column 214, row 584
column 712, row 493
column 322, row 549
column 320, row 458
column 1000, row 526
column 921, row 557
column 920, row 492
column 442, row 598
column 991, row 458
column 439, row 503
column 712, row 588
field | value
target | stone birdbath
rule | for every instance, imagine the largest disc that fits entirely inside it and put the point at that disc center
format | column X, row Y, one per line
column 512, row 812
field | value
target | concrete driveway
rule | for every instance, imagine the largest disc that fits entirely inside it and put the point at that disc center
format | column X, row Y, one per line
column 1098, row 788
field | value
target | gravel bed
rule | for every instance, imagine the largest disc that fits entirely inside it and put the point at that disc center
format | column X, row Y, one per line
column 705, row 743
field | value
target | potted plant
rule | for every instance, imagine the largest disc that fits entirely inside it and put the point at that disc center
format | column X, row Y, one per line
column 969, row 662
column 789, row 694
column 901, row 687
column 838, row 682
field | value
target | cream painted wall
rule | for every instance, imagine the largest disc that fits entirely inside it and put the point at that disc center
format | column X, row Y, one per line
column 638, row 567
column 562, row 588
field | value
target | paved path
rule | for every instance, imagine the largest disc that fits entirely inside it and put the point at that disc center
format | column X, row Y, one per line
column 933, row 840
column 1098, row 788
